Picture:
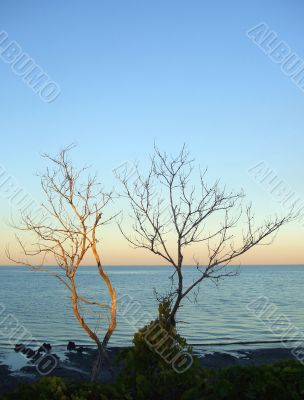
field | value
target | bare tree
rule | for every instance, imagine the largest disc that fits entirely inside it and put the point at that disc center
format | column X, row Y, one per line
column 170, row 215
column 66, row 232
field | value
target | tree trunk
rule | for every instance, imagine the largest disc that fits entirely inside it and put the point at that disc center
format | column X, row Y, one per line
column 172, row 317
column 112, row 293
column 97, row 367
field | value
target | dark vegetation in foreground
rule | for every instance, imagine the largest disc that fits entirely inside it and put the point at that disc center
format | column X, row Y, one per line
column 283, row 380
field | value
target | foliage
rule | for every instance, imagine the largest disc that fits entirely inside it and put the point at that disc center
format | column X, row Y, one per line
column 281, row 381
column 148, row 371
column 284, row 380
column 53, row 388
column 44, row 389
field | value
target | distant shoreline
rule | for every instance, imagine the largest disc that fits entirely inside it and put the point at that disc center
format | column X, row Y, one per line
column 160, row 266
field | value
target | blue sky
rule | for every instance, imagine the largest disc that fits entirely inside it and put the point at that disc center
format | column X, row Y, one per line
column 137, row 72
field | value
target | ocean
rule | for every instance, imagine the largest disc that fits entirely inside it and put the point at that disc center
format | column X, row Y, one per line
column 40, row 304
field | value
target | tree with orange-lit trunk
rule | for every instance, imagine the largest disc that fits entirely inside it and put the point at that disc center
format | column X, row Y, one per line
column 66, row 231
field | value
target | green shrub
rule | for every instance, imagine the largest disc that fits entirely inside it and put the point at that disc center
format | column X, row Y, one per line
column 53, row 388
column 46, row 388
column 284, row 380
column 150, row 371
column 90, row 391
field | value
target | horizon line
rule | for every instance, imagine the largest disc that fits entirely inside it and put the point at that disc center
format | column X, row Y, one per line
column 157, row 265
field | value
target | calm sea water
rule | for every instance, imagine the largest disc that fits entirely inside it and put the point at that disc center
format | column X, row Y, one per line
column 41, row 303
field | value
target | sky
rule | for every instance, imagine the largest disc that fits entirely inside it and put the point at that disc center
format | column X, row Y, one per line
column 135, row 73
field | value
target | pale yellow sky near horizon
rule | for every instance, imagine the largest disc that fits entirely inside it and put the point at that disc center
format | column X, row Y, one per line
column 287, row 248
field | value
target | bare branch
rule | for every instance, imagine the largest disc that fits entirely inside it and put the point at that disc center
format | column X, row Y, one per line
column 168, row 210
column 67, row 231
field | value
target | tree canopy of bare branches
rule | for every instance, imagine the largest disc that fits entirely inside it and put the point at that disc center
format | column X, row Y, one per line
column 170, row 214
column 66, row 231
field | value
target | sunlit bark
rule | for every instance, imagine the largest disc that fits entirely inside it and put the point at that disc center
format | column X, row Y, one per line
column 66, row 232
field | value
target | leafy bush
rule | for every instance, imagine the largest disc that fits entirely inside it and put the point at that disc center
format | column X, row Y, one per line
column 284, row 380
column 151, row 366
column 44, row 389
column 281, row 381
column 53, row 388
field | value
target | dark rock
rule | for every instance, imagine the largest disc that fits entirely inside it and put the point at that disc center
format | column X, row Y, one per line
column 71, row 346
column 30, row 353
column 27, row 351
column 218, row 360
column 4, row 370
column 18, row 347
column 80, row 350
column 36, row 356
column 46, row 348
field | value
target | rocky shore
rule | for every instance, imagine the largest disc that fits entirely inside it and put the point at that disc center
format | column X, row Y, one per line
column 76, row 366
